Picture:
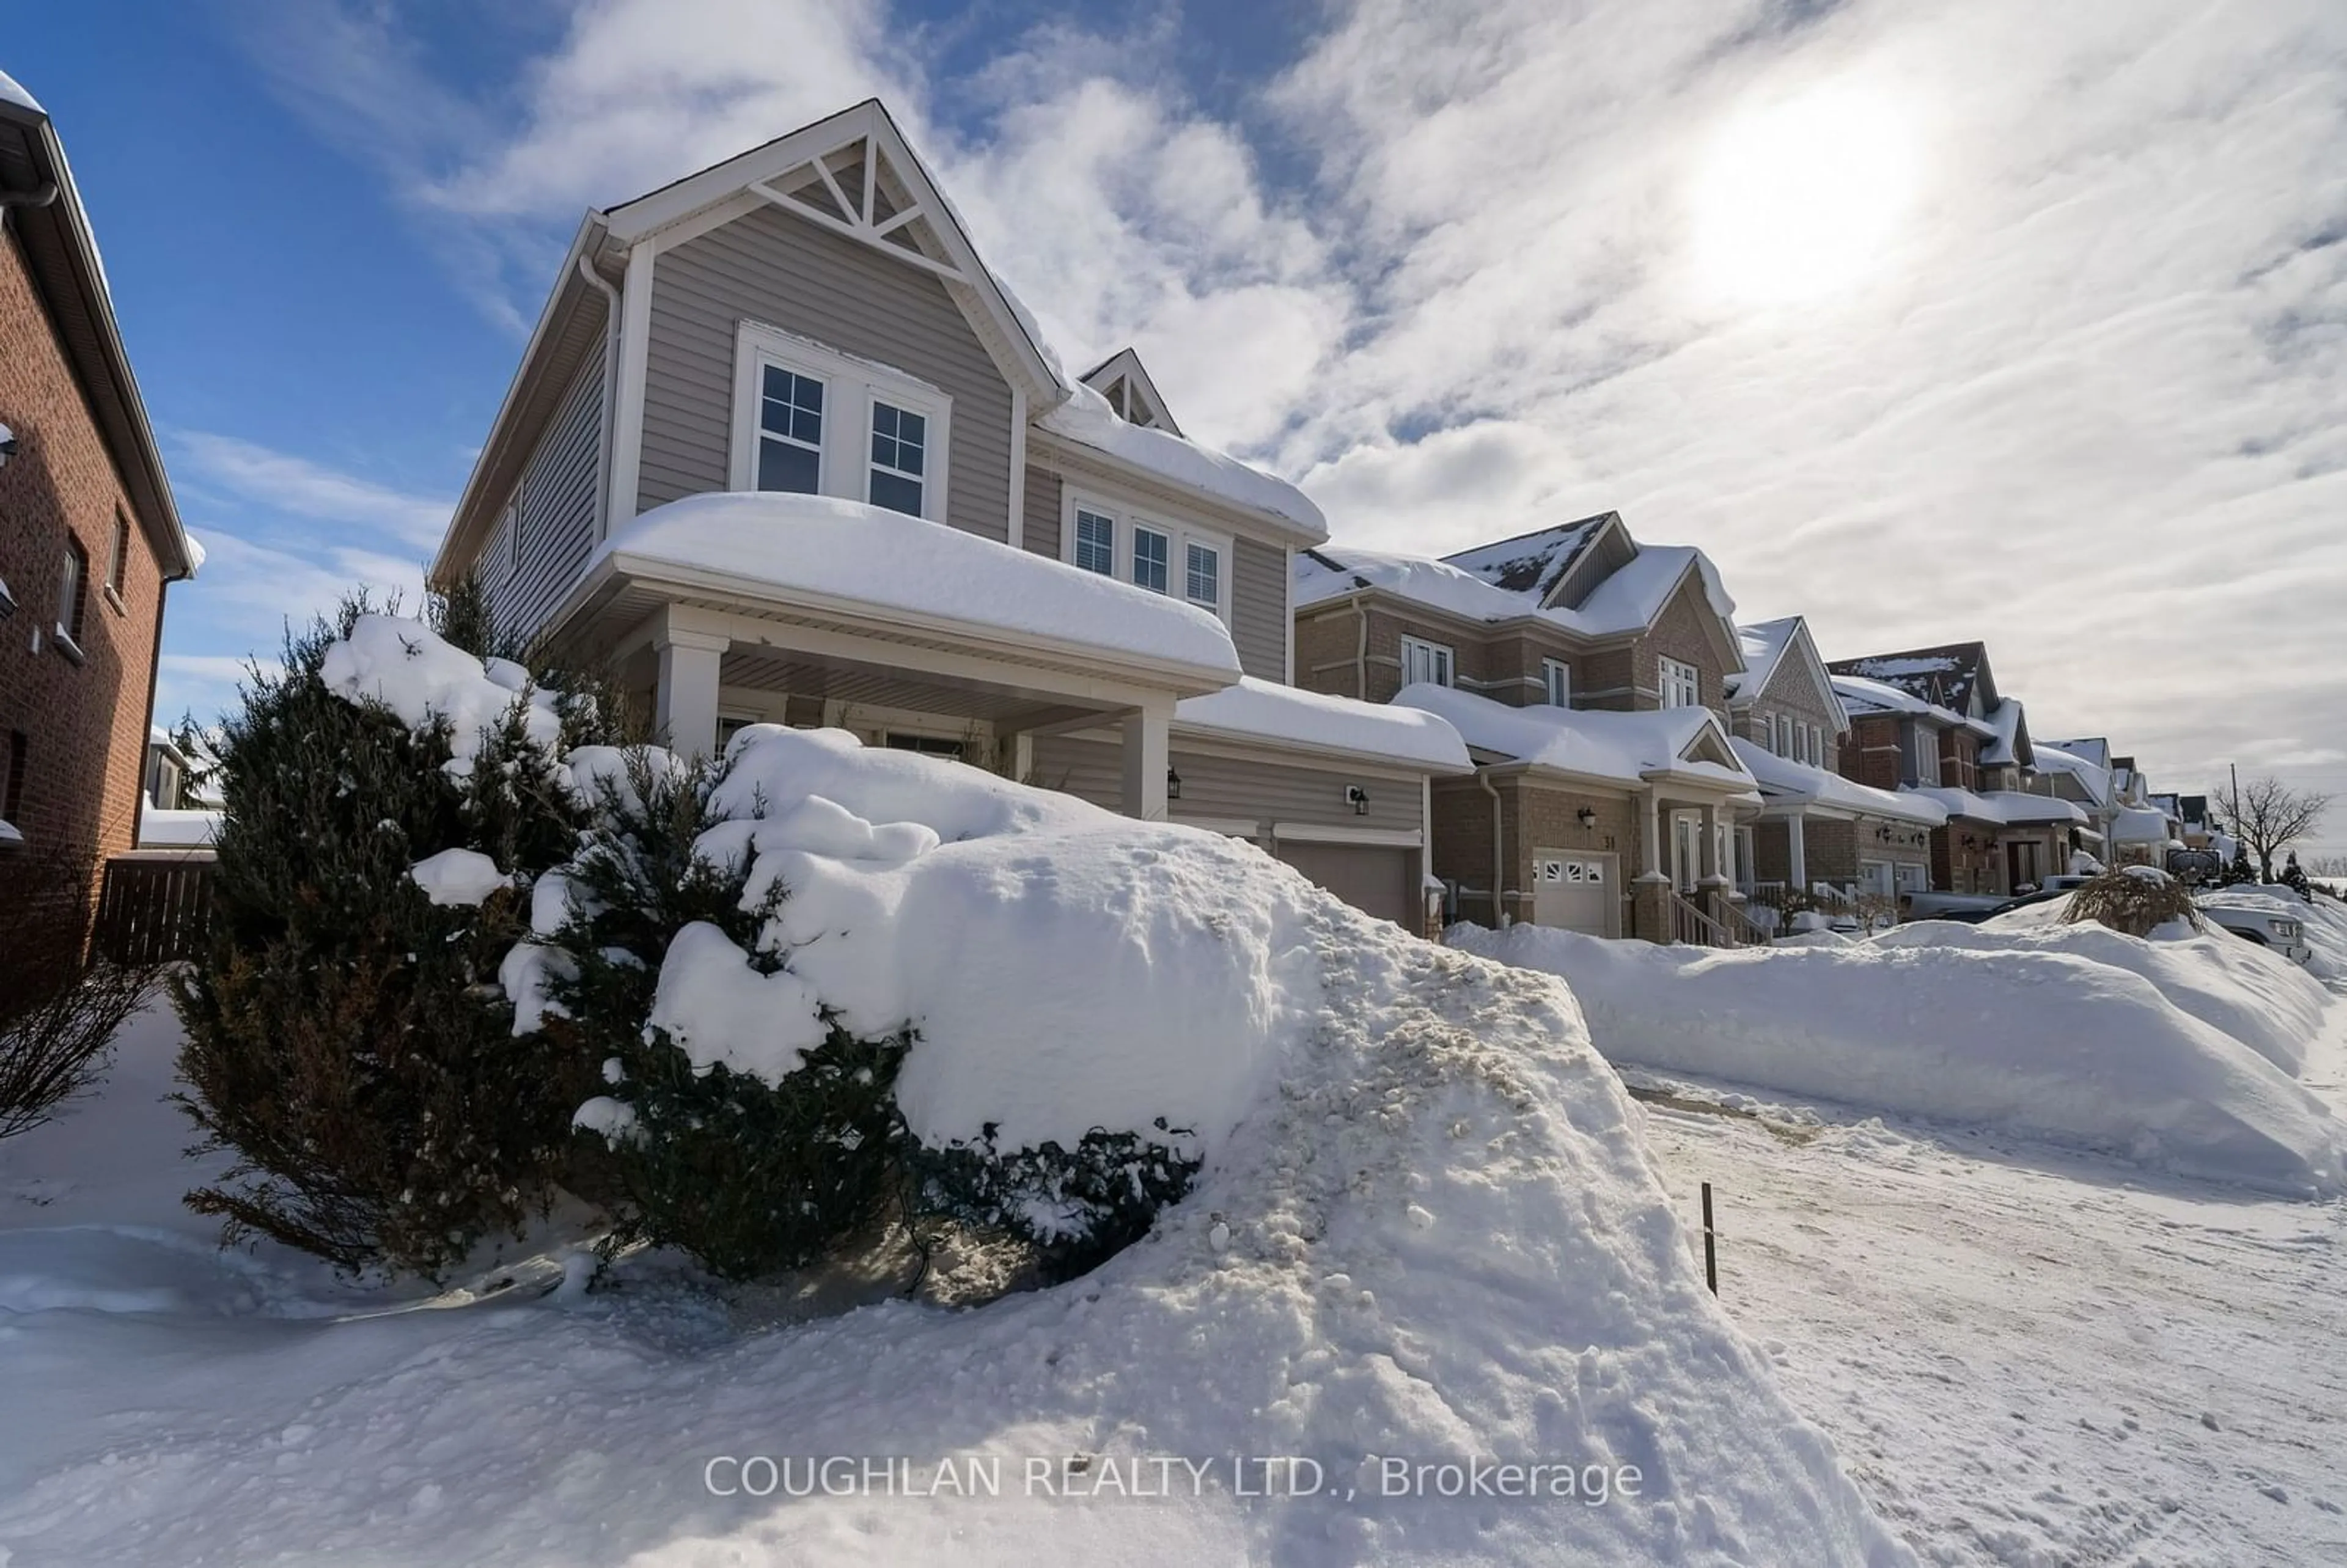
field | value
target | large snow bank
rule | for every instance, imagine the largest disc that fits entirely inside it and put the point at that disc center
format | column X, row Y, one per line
column 1086, row 417
column 1433, row 1236
column 2324, row 919
column 2049, row 1044
column 1264, row 711
column 826, row 549
column 1065, row 968
column 2262, row 999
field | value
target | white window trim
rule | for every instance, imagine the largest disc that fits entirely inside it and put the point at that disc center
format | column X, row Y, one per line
column 1665, row 667
column 850, row 387
column 1556, row 682
column 1179, row 538
column 1440, row 655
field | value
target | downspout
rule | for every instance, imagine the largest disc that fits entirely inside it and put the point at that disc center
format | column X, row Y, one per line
column 1499, row 858
column 611, row 392
column 1361, row 649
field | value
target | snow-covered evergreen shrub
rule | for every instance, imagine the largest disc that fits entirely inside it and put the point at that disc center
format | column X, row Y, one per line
column 346, row 1035
column 745, row 1177
column 1078, row 1208
column 2293, row 876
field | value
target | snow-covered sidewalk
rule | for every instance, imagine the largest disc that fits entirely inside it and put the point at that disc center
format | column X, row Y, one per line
column 2033, row 1358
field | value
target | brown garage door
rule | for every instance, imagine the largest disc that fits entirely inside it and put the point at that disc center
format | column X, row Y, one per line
column 1367, row 876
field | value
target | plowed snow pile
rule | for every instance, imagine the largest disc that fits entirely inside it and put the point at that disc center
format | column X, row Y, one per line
column 2176, row 1053
column 1425, row 1234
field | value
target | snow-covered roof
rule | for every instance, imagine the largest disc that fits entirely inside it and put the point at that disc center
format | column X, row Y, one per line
column 1087, row 419
column 1627, row 601
column 2095, row 781
column 2010, row 807
column 1763, row 645
column 1529, row 563
column 177, row 830
column 1944, row 676
column 1863, row 695
column 845, row 553
column 1619, row 747
column 2139, row 825
column 2095, row 750
column 1782, row 778
column 2010, row 740
column 1262, row 711
column 11, row 92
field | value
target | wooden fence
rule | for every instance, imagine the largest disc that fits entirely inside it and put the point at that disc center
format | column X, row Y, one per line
column 153, row 910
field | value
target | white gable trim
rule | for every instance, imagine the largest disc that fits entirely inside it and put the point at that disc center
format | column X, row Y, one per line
column 692, row 206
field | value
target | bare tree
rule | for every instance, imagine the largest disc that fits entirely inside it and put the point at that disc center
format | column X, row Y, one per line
column 2267, row 816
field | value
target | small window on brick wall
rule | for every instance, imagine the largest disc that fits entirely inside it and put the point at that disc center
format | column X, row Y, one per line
column 11, row 782
column 117, row 568
column 73, row 591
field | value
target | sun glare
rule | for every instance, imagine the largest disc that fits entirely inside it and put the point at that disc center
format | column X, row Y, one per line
column 1799, row 200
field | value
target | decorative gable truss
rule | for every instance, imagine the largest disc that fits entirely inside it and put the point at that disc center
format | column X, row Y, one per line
column 1124, row 380
column 857, row 190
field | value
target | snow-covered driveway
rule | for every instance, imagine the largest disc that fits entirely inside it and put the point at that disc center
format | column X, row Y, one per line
column 2029, row 1359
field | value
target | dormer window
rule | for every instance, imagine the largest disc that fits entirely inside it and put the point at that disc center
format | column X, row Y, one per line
column 811, row 421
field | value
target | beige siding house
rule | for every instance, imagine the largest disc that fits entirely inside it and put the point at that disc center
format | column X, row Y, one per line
column 1095, row 602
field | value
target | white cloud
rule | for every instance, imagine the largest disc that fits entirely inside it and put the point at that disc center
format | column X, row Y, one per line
column 2083, row 403
column 302, row 489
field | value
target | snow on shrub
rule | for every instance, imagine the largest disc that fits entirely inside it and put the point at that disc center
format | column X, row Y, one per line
column 2134, row 901
column 346, row 1036
column 2039, row 1041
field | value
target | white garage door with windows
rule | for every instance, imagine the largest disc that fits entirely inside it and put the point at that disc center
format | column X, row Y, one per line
column 1577, row 890
column 1374, row 878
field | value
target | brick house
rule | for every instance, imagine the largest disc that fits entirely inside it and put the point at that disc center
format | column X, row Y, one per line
column 1589, row 675
column 1930, row 720
column 90, row 537
column 1818, row 830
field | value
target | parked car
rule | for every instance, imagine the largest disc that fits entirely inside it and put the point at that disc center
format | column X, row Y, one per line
column 1972, row 907
column 2262, row 923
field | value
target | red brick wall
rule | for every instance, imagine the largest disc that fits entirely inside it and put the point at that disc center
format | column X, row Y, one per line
column 1871, row 755
column 85, row 723
column 1960, row 759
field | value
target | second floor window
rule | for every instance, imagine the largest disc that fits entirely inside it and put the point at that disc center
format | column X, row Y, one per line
column 119, row 566
column 1681, row 686
column 1149, row 554
column 899, row 444
column 73, row 591
column 790, row 432
column 1556, row 682
column 811, row 421
column 1205, row 577
column 1927, row 755
column 1096, row 542
column 1423, row 662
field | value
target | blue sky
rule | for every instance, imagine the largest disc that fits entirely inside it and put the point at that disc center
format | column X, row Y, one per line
column 1929, row 318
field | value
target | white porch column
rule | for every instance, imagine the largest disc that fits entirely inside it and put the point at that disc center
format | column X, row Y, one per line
column 1148, row 752
column 684, row 710
column 1651, row 848
column 1709, row 855
column 1797, row 852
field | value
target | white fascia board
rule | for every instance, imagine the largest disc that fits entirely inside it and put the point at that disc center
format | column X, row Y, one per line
column 1323, row 833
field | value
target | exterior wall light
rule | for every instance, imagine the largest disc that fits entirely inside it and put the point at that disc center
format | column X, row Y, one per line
column 1358, row 798
column 1588, row 817
column 1173, row 785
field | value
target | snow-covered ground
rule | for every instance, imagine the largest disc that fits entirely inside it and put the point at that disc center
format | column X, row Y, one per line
column 2030, row 1359
column 1438, row 1241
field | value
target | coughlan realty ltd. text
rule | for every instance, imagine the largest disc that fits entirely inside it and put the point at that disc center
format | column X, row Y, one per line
column 1091, row 1476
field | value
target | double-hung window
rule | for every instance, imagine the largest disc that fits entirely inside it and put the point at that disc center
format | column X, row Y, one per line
column 1149, row 557
column 1203, row 580
column 814, row 422
column 1095, row 548
column 899, row 447
column 1424, row 662
column 1681, row 686
column 73, row 591
column 1556, row 682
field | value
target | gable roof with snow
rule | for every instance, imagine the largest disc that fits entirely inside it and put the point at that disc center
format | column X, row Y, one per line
column 1472, row 584
column 1782, row 779
column 1765, row 646
column 2092, row 778
column 2010, row 746
column 1861, row 696
column 1125, row 381
column 1952, row 675
column 2002, row 808
column 854, row 175
column 1605, row 745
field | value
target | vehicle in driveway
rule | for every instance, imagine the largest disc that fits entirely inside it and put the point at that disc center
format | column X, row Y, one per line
column 2268, row 922
column 1970, row 907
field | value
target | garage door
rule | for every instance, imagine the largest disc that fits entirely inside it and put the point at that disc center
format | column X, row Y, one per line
column 1367, row 877
column 1576, row 890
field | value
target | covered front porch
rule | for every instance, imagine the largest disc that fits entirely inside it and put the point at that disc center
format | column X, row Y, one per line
column 970, row 649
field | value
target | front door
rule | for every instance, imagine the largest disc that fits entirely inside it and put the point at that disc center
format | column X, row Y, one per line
column 1686, row 831
column 2020, row 864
